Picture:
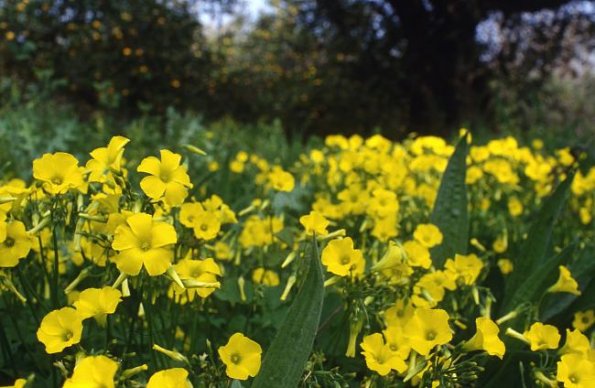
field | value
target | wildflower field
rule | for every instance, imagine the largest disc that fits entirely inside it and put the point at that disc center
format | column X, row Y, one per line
column 360, row 262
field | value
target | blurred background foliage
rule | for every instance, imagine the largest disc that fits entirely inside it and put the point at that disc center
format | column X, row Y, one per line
column 315, row 66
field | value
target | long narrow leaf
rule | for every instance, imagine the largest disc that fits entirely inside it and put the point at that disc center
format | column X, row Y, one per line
column 286, row 358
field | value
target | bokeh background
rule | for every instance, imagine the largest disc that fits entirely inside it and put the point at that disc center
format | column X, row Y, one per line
column 300, row 68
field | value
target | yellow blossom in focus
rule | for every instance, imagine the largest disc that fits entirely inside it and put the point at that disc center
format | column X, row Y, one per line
column 314, row 223
column 241, row 356
column 542, row 336
column 427, row 329
column 464, row 268
column 379, row 356
column 417, row 254
column 342, row 259
column 486, row 338
column 206, row 270
column 60, row 329
column 93, row 371
column 576, row 342
column 565, row 283
column 170, row 378
column 168, row 180
column 16, row 245
column 428, row 235
column 141, row 241
column 98, row 303
column 59, row 172
column 576, row 371
column 106, row 160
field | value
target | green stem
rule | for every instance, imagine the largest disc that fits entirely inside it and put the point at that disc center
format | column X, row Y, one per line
column 55, row 301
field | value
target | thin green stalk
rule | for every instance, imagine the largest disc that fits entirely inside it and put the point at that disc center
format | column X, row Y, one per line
column 56, row 279
column 7, row 349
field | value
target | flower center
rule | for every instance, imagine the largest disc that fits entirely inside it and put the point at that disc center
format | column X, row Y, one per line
column 145, row 246
column 165, row 176
column 430, row 335
column 204, row 227
column 57, row 180
column 393, row 347
column 9, row 242
column 345, row 259
column 67, row 335
column 585, row 320
column 573, row 379
column 236, row 358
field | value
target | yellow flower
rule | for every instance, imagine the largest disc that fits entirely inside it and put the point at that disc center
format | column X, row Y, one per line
column 427, row 329
column 397, row 342
column 399, row 314
column 170, row 378
column 168, row 180
column 143, row 241
column 428, row 235
column 464, row 268
column 500, row 245
column 98, row 303
column 341, row 259
column 583, row 320
column 59, row 172
column 542, row 336
column 265, row 276
column 314, row 223
column 93, row 371
column 395, row 255
column 576, row 342
column 199, row 270
column 565, row 283
column 417, row 254
column 60, row 329
column 486, row 338
column 241, row 357
column 281, row 180
column 19, row 383
column 576, row 371
column 379, row 356
column 515, row 207
column 106, row 160
column 506, row 266
column 16, row 245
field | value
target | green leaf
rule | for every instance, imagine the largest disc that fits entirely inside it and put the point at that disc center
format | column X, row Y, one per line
column 531, row 264
column 450, row 208
column 286, row 358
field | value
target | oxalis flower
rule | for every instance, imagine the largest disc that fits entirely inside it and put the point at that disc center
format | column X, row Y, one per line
column 379, row 356
column 565, row 283
column 342, row 259
column 170, row 378
column 93, row 371
column 241, row 357
column 59, row 172
column 98, row 303
column 168, row 180
column 60, row 329
column 486, row 338
column 427, row 329
column 16, row 245
column 142, row 241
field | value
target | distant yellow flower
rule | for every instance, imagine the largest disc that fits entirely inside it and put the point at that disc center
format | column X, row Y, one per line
column 464, row 268
column 342, row 259
column 486, row 338
column 427, row 329
column 16, row 244
column 379, row 356
column 576, row 371
column 60, row 329
column 265, row 276
column 106, row 160
column 168, row 180
column 170, row 378
column 583, row 320
column 417, row 254
column 500, row 245
column 565, row 283
column 506, row 266
column 281, row 180
column 428, row 235
column 241, row 356
column 542, row 336
column 515, row 207
column 98, row 303
column 59, row 172
column 143, row 241
column 93, row 371
column 314, row 222
column 205, row 270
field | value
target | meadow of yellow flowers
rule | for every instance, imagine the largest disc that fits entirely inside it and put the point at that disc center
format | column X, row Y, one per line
column 366, row 262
